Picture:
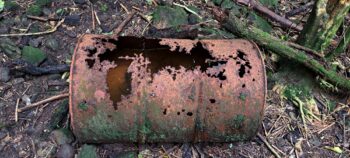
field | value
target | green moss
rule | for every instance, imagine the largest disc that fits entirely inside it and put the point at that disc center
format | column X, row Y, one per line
column 237, row 121
column 33, row 55
column 262, row 38
column 34, row 10
column 102, row 127
column 83, row 106
column 58, row 114
column 11, row 5
column 88, row 151
column 103, row 7
column 242, row 96
column 166, row 17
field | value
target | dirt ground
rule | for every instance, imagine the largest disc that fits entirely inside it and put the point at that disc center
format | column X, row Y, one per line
column 31, row 135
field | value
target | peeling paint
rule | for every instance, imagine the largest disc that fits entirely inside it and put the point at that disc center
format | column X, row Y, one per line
column 165, row 90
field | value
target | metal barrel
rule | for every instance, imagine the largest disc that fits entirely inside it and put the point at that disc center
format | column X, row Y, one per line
column 141, row 90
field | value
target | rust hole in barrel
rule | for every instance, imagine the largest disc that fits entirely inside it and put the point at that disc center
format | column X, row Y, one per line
column 160, row 56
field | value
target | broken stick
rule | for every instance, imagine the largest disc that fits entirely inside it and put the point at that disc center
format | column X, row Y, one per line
column 43, row 102
column 119, row 29
column 270, row 14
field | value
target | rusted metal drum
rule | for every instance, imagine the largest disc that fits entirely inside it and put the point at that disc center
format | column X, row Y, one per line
column 166, row 90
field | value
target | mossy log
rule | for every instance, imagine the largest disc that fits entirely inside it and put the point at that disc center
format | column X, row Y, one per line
column 343, row 45
column 323, row 23
column 242, row 29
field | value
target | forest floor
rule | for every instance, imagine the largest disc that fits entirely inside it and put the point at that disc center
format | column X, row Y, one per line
column 38, row 134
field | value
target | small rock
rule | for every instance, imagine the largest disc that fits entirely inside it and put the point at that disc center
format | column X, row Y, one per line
column 33, row 55
column 26, row 99
column 52, row 43
column 47, row 11
column 79, row 1
column 3, row 134
column 193, row 19
column 36, row 42
column 17, row 81
column 4, row 29
column 73, row 20
column 9, row 48
column 4, row 74
column 65, row 151
column 165, row 2
column 87, row 151
column 71, row 34
column 62, row 136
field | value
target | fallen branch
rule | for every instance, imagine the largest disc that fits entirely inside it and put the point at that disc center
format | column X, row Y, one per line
column 35, row 33
column 43, row 102
column 42, row 18
column 28, row 68
column 119, row 29
column 268, row 145
column 300, row 9
column 270, row 14
column 242, row 29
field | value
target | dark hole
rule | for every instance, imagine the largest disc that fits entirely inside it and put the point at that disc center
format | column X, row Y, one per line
column 189, row 114
column 91, row 51
column 243, row 86
column 164, row 112
column 241, row 55
column 248, row 64
column 183, row 110
column 220, row 85
column 109, row 116
column 90, row 62
column 253, row 79
column 178, row 113
column 221, row 76
column 241, row 71
column 212, row 101
column 160, row 56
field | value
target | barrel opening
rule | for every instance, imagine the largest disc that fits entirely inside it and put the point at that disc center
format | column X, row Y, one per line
column 156, row 57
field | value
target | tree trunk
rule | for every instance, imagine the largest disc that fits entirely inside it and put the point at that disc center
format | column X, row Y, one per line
column 323, row 23
column 242, row 29
column 343, row 45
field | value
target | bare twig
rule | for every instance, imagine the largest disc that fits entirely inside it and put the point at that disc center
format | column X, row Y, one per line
column 42, row 18
column 43, row 102
column 320, row 131
column 16, row 112
column 97, row 18
column 35, row 33
column 188, row 9
column 93, row 18
column 123, row 6
column 268, row 145
column 119, row 29
column 270, row 14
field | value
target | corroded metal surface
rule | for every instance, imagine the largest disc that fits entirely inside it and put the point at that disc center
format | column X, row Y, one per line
column 166, row 90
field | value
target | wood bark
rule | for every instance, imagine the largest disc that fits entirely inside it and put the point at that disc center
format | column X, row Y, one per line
column 323, row 23
column 242, row 29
